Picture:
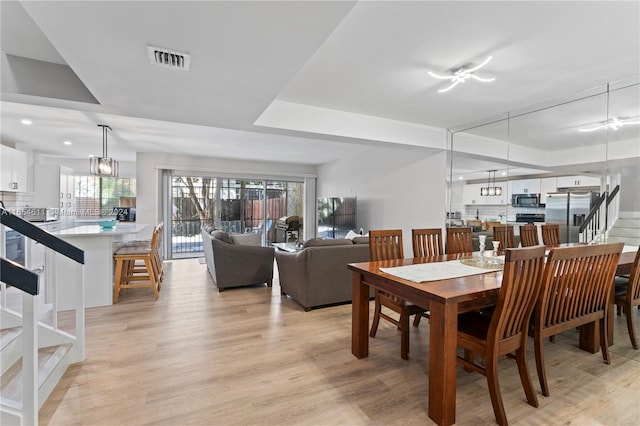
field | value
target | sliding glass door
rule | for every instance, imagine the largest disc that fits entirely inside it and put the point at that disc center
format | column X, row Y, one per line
column 229, row 204
column 260, row 206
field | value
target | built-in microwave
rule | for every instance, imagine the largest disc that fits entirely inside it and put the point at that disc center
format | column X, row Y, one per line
column 525, row 200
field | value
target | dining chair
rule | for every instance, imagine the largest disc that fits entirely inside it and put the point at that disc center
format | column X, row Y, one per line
column 474, row 223
column 576, row 285
column 628, row 295
column 427, row 242
column 387, row 245
column 503, row 234
column 529, row 235
column 490, row 224
column 550, row 234
column 505, row 330
column 459, row 240
column 138, row 266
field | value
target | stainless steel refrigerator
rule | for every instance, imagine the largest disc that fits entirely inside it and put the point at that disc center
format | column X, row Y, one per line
column 569, row 210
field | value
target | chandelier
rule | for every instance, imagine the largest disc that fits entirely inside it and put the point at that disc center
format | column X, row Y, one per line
column 461, row 75
column 491, row 189
column 103, row 166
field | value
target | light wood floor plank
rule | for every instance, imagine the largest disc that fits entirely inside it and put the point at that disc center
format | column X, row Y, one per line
column 249, row 356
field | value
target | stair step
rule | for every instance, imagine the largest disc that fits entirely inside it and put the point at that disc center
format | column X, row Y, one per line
column 625, row 232
column 8, row 335
column 48, row 359
column 11, row 347
column 627, row 223
column 629, row 215
column 628, row 241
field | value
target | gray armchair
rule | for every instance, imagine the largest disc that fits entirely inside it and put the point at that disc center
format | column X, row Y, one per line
column 234, row 260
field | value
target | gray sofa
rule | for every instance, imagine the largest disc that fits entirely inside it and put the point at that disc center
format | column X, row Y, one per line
column 237, row 260
column 318, row 275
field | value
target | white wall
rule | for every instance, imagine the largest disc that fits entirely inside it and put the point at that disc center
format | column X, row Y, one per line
column 396, row 188
column 629, row 184
column 149, row 184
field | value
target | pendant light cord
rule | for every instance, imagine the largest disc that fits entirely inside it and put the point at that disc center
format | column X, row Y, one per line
column 104, row 139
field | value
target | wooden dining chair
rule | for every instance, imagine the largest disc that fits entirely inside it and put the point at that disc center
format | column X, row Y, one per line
column 387, row 245
column 459, row 240
column 529, row 235
column 503, row 234
column 490, row 224
column 576, row 285
column 427, row 242
column 628, row 296
column 505, row 330
column 550, row 235
column 474, row 223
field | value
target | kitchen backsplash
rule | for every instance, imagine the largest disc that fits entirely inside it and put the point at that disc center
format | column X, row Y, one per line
column 16, row 200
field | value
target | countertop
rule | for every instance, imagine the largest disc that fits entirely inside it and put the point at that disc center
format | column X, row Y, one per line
column 96, row 230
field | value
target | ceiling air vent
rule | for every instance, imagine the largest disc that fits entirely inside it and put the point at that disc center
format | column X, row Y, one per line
column 168, row 58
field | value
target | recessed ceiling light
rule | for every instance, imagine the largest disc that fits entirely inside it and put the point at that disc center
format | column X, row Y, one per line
column 504, row 173
column 67, row 142
column 461, row 177
column 26, row 122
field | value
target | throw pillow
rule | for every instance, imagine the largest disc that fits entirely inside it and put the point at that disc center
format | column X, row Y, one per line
column 222, row 236
column 248, row 239
column 352, row 234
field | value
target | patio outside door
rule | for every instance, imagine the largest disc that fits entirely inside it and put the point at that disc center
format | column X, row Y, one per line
column 228, row 204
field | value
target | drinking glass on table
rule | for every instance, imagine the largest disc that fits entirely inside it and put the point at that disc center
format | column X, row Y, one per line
column 496, row 244
column 482, row 239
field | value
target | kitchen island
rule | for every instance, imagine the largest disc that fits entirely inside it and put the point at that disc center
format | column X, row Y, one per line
column 97, row 244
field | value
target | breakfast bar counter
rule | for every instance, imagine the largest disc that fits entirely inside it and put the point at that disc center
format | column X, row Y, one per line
column 97, row 244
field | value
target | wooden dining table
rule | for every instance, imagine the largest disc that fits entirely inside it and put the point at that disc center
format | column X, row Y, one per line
column 446, row 299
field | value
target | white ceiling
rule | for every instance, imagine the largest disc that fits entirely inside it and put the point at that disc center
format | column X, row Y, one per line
column 365, row 58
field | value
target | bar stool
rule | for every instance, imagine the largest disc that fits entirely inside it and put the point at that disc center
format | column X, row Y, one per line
column 139, row 266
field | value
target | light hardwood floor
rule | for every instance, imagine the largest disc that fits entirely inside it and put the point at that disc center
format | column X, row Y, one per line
column 249, row 356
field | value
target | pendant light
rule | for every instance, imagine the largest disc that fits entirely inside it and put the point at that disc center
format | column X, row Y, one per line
column 103, row 166
column 491, row 189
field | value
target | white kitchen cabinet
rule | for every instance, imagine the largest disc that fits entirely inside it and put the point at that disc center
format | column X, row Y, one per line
column 524, row 186
column 547, row 186
column 13, row 170
column 471, row 194
column 573, row 181
column 46, row 185
column 53, row 187
column 67, row 197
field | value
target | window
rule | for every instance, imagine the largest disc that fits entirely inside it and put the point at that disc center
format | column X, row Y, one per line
column 97, row 196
